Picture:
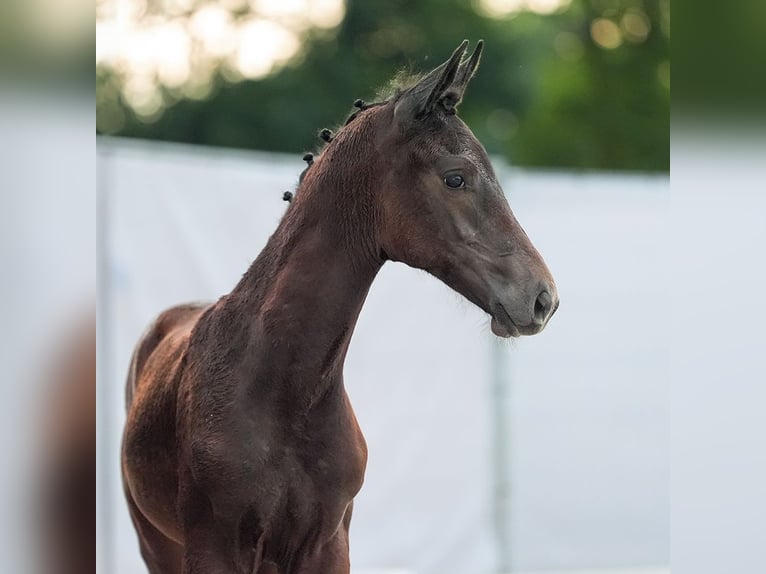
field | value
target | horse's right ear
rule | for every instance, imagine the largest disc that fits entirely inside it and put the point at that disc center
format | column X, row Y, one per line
column 441, row 89
column 423, row 98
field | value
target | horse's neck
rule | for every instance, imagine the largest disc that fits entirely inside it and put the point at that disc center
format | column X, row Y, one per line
column 302, row 297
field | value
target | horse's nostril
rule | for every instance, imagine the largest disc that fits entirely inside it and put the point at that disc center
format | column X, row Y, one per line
column 543, row 306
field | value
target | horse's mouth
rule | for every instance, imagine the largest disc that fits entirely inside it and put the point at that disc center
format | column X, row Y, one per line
column 502, row 325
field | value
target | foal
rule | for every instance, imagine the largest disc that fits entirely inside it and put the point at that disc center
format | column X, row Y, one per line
column 241, row 453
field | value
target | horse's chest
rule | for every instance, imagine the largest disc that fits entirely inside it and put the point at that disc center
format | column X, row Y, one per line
column 303, row 492
column 325, row 472
column 307, row 476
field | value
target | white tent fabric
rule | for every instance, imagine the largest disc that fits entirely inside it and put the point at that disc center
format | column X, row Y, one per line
column 587, row 449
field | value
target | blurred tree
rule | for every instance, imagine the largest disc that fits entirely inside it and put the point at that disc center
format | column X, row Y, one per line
column 604, row 94
column 584, row 87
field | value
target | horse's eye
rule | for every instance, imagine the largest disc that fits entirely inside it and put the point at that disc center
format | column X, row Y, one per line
column 454, row 181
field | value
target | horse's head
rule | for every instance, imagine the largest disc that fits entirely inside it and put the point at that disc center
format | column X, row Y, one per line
column 443, row 210
column 409, row 181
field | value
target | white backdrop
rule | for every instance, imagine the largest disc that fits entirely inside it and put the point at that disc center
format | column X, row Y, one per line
column 583, row 454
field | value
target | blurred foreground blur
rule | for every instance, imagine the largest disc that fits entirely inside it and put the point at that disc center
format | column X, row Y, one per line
column 47, row 287
column 718, row 429
column 47, row 335
column 67, row 514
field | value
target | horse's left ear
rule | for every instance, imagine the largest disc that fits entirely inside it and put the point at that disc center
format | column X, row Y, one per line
column 442, row 88
column 466, row 71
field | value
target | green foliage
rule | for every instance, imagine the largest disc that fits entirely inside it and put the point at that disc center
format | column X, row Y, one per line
column 546, row 93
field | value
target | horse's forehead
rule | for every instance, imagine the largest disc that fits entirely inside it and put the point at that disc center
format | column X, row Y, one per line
column 480, row 161
column 454, row 137
column 470, row 148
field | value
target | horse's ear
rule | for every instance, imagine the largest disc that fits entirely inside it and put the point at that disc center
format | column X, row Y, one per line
column 443, row 87
column 468, row 69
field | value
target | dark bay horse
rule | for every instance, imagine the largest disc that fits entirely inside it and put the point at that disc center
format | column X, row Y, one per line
column 241, row 453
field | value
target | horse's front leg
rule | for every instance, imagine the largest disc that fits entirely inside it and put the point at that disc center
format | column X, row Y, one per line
column 212, row 542
column 212, row 550
column 333, row 557
column 208, row 549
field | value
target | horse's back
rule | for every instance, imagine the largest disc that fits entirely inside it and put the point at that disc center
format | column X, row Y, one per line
column 149, row 441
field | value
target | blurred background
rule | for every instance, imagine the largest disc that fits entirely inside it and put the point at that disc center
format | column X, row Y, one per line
column 545, row 454
column 563, row 83
column 561, row 460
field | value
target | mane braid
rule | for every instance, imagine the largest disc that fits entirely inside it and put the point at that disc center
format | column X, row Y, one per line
column 327, row 136
column 403, row 81
column 363, row 106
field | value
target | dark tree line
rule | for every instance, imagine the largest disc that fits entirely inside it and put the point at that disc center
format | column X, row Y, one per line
column 586, row 87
